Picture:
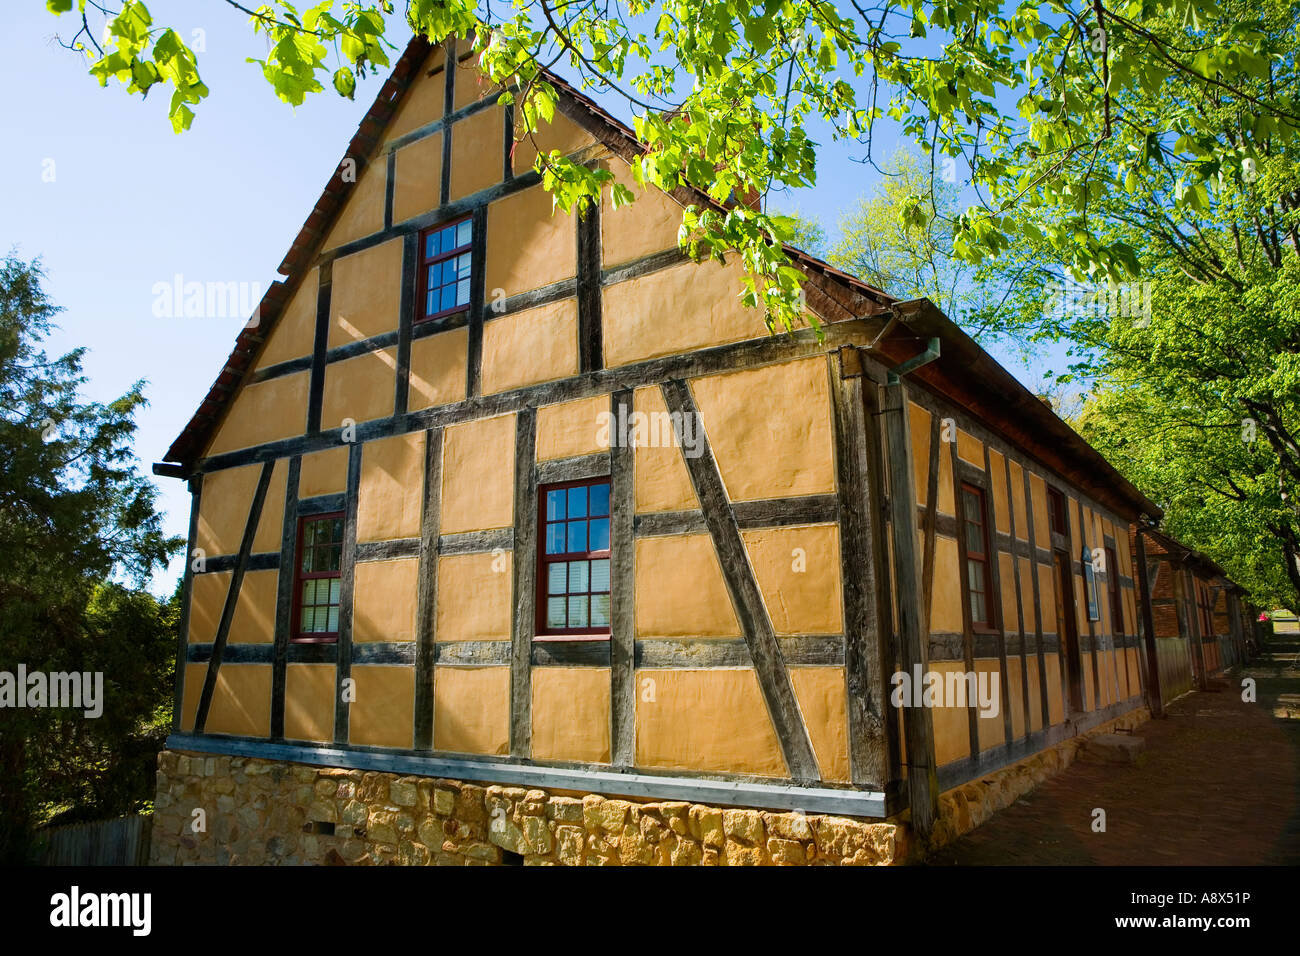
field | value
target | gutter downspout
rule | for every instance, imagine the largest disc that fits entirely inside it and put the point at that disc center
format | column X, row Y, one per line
column 918, row 726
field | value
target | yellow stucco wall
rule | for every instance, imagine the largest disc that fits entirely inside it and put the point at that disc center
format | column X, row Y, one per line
column 529, row 246
column 390, row 496
column 241, row 700
column 254, row 619
column 264, row 412
column 417, row 178
column 224, row 508
column 438, row 369
column 536, row 345
column 472, row 709
column 365, row 294
column 673, row 310
column 383, row 713
column 294, row 333
column 646, row 226
column 383, row 606
column 712, row 720
column 571, row 719
column 570, row 429
column 359, row 389
column 477, row 153
column 478, row 475
column 561, row 133
column 423, row 101
column 363, row 207
column 951, row 724
column 946, row 600
column 769, row 447
column 798, row 572
column 684, row 567
column 309, row 702
column 474, row 597
column 823, row 702
column 659, row 473
column 324, row 472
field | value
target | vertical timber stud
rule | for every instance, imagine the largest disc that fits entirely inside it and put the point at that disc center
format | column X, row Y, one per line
column 525, row 584
column 405, row 316
column 764, row 651
column 508, row 160
column 1093, row 636
column 347, row 585
column 622, row 650
column 880, row 615
column 868, row 719
column 995, row 569
column 390, row 184
column 316, row 386
column 285, row 584
column 967, row 626
column 1043, row 702
column 922, row 780
column 187, row 589
column 232, row 596
column 477, row 302
column 1191, row 604
column 427, row 595
column 930, row 524
column 448, row 107
column 1020, row 605
column 590, row 335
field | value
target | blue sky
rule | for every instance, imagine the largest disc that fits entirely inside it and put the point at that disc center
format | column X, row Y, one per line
column 113, row 202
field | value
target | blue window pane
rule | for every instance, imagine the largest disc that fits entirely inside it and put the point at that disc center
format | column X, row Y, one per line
column 555, row 612
column 577, row 502
column 600, row 610
column 600, row 575
column 557, row 577
column 577, row 535
column 554, row 505
column 449, row 271
column 599, row 534
column 449, row 297
column 578, row 612
column 599, row 499
column 555, row 538
column 463, row 233
column 431, row 302
column 578, row 577
column 430, row 245
column 462, row 266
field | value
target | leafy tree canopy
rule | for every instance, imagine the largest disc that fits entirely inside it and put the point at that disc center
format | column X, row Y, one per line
column 1026, row 97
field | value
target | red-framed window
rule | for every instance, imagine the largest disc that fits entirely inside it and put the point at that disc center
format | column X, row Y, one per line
column 1056, row 510
column 444, row 272
column 573, row 560
column 975, row 546
column 1112, row 579
column 319, row 578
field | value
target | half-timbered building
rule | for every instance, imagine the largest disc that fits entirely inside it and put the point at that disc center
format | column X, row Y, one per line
column 515, row 535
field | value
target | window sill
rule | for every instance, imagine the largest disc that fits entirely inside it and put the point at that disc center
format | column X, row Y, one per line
column 552, row 638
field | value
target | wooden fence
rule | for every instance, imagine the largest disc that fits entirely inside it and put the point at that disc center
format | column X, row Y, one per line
column 120, row 842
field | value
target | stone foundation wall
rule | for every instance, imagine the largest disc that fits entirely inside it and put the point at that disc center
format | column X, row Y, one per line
column 269, row 812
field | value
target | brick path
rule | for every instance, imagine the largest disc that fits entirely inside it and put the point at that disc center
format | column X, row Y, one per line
column 1220, row 786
